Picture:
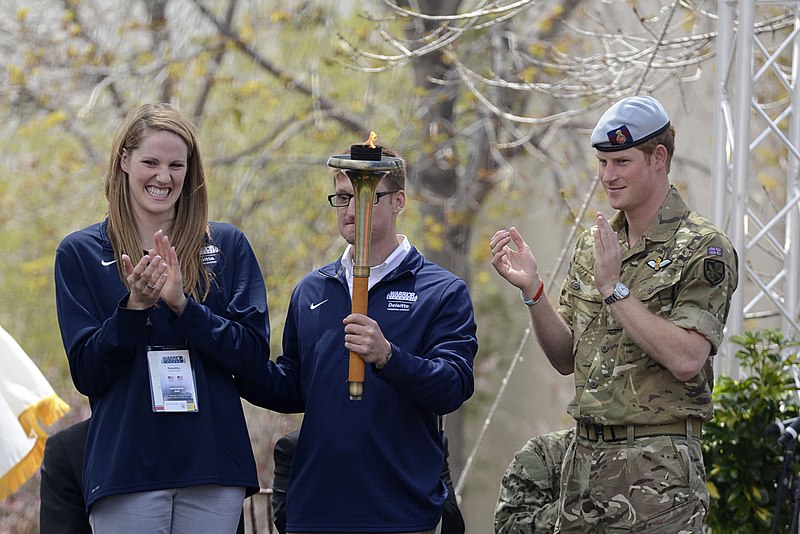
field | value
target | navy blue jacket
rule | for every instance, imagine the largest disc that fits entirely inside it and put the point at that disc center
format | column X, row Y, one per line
column 129, row 447
column 372, row 465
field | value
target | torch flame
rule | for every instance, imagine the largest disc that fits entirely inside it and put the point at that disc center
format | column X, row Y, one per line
column 371, row 140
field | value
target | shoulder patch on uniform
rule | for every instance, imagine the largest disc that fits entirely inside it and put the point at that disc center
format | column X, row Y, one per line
column 713, row 271
column 715, row 251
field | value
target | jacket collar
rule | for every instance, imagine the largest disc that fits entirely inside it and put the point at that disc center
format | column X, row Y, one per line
column 666, row 221
column 412, row 263
column 104, row 239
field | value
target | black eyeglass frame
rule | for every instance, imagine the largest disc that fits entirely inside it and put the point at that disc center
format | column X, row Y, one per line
column 378, row 196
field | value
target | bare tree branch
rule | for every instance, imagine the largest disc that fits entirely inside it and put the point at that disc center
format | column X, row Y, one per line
column 346, row 119
column 208, row 81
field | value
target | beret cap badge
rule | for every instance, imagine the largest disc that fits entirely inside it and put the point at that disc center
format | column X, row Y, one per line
column 620, row 136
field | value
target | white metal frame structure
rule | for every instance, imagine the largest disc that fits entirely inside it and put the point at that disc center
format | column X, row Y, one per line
column 747, row 129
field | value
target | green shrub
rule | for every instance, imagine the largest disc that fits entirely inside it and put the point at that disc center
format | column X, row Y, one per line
column 742, row 462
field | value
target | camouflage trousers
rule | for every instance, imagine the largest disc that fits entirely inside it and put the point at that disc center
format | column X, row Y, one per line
column 653, row 484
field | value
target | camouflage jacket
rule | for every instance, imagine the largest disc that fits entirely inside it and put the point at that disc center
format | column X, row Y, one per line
column 685, row 270
column 528, row 501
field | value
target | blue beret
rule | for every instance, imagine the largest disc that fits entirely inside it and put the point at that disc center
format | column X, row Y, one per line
column 628, row 123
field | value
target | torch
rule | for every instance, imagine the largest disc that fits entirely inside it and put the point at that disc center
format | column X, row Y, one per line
column 365, row 166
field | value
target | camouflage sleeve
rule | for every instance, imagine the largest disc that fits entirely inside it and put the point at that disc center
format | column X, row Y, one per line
column 528, row 500
column 707, row 284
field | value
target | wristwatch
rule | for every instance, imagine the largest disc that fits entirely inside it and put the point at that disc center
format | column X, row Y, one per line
column 620, row 292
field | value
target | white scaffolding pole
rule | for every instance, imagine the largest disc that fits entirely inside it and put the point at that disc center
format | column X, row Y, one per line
column 793, row 190
column 721, row 143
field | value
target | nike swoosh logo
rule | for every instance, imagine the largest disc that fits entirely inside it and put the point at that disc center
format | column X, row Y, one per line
column 314, row 306
column 105, row 263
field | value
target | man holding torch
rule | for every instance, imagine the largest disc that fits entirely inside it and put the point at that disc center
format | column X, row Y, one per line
column 372, row 465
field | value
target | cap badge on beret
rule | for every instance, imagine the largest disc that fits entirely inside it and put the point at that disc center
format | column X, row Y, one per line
column 620, row 136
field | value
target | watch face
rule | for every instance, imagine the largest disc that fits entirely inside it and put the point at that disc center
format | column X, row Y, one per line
column 621, row 290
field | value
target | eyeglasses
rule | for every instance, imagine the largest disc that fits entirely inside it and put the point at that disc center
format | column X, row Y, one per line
column 342, row 200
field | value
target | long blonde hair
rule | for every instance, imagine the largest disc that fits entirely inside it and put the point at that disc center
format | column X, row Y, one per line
column 190, row 229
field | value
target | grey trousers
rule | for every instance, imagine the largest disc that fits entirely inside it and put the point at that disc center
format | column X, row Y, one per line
column 207, row 508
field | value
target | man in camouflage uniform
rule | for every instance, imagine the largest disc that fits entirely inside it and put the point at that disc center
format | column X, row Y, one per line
column 528, row 501
column 640, row 316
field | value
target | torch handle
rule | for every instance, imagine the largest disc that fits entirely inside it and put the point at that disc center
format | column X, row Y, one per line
column 356, row 369
column 364, row 175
